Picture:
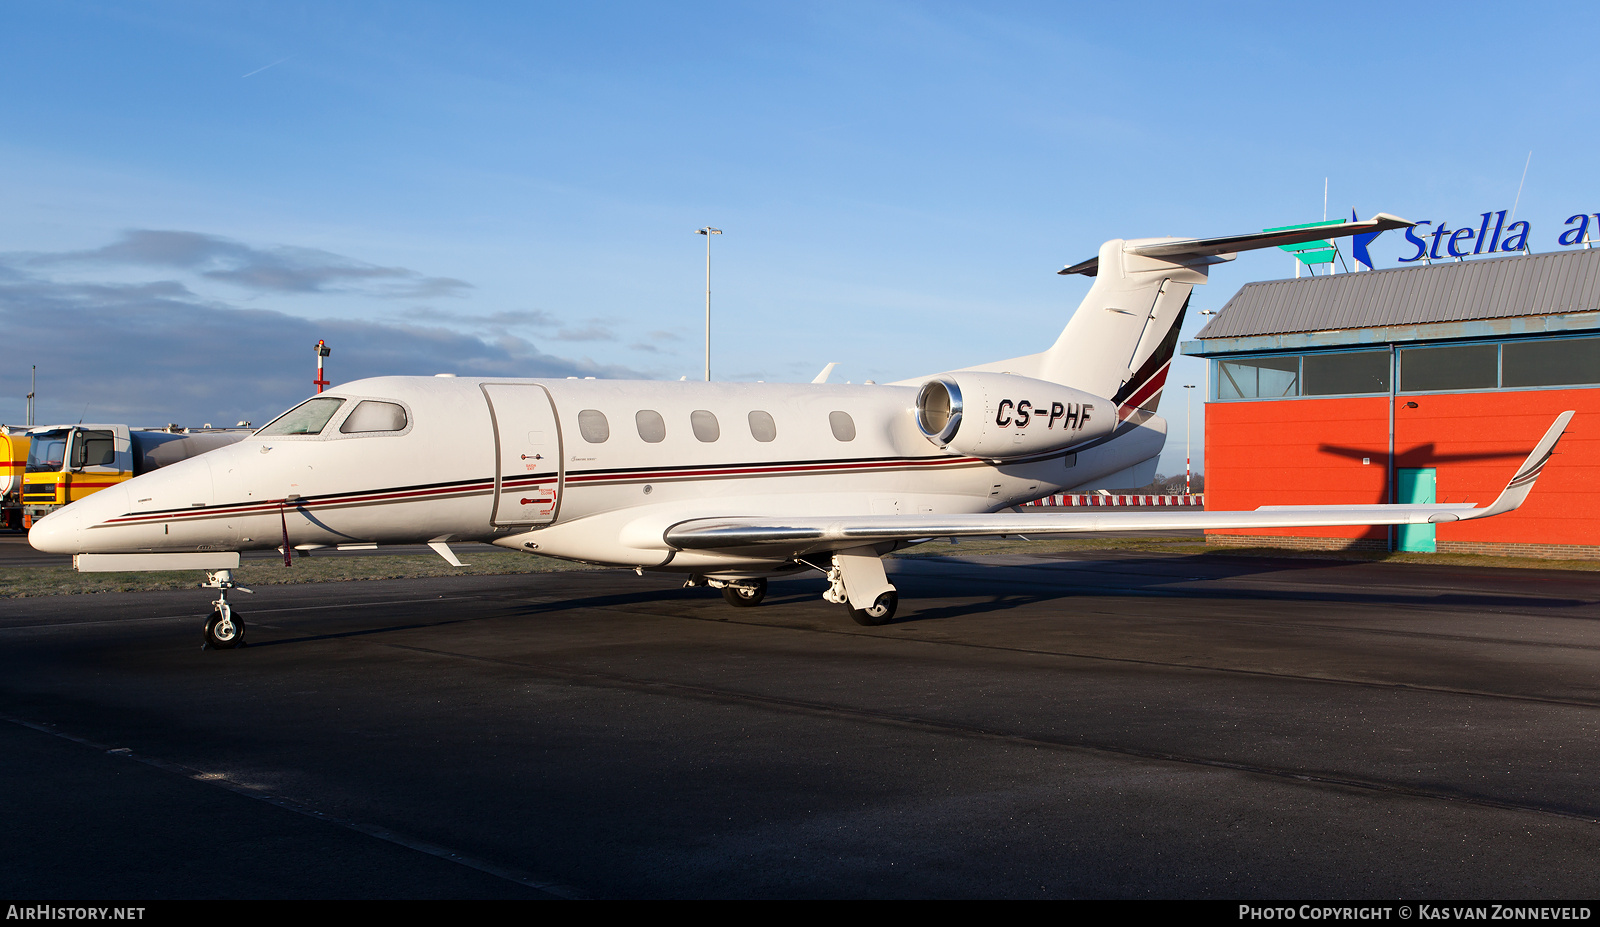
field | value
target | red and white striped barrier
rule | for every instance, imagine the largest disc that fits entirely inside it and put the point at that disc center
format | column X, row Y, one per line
column 1196, row 499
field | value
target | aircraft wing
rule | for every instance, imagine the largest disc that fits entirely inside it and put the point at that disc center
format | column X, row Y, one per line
column 1249, row 241
column 800, row 536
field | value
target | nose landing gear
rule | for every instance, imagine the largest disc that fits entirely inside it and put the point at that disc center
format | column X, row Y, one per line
column 224, row 629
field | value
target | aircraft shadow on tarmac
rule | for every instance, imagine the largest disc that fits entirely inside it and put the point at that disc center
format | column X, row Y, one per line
column 928, row 586
column 997, row 586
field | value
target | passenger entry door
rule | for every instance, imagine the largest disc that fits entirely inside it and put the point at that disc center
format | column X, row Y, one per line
column 527, row 449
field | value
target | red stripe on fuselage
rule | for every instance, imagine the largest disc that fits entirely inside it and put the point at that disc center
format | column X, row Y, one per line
column 368, row 497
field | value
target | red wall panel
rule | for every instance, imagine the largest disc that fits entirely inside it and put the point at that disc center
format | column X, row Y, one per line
column 1297, row 452
column 1309, row 451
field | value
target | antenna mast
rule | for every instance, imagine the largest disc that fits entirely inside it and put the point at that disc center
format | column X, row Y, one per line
column 322, row 351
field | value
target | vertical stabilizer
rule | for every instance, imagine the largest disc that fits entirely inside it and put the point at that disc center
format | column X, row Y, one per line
column 1121, row 341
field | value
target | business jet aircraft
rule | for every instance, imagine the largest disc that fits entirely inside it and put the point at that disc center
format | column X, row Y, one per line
column 729, row 483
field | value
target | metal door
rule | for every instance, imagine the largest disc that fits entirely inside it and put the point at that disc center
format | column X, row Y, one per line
column 527, row 454
column 1416, row 486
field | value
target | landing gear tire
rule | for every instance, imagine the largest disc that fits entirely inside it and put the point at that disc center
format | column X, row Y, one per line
column 879, row 612
column 224, row 632
column 745, row 595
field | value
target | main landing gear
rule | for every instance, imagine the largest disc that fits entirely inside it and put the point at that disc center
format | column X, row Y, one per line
column 740, row 593
column 746, row 594
column 856, row 580
column 224, row 629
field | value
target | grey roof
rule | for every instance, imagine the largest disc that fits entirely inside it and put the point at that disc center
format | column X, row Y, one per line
column 1490, row 288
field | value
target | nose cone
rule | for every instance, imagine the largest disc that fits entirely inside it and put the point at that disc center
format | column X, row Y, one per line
column 52, row 533
column 66, row 530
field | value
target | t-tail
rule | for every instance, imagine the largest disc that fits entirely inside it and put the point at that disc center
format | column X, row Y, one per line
column 1121, row 341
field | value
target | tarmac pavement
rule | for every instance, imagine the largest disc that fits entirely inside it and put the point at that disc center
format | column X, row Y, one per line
column 1095, row 724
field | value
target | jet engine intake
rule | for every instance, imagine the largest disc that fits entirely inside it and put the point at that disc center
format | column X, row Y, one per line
column 1001, row 416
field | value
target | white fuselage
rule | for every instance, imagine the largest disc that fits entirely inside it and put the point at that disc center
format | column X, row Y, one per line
column 521, row 463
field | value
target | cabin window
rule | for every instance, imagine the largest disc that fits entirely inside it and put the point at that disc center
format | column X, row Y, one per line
column 705, row 425
column 371, row 415
column 593, row 426
column 762, row 427
column 652, row 427
column 844, row 427
column 307, row 418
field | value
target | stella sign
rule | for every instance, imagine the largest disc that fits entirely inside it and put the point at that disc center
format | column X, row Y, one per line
column 1493, row 235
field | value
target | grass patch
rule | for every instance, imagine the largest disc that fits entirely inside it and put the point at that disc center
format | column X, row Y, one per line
column 19, row 582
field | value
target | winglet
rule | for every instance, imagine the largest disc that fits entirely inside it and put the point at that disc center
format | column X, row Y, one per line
column 1522, row 482
column 826, row 373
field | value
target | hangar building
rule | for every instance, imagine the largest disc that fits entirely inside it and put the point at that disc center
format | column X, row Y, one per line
column 1417, row 384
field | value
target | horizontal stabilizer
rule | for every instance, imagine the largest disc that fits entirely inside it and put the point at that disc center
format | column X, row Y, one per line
column 1177, row 249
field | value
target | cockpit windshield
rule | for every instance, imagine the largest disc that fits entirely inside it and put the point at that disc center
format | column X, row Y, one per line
column 47, row 451
column 307, row 418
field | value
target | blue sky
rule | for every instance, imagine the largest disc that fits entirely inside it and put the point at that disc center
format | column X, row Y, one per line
column 192, row 193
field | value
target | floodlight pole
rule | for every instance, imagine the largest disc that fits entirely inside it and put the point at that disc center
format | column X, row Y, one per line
column 1187, row 419
column 708, row 231
column 33, row 387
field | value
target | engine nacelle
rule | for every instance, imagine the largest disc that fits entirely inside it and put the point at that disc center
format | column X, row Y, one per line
column 1000, row 416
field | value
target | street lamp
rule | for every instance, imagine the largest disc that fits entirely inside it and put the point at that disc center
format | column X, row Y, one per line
column 708, row 231
column 1187, row 469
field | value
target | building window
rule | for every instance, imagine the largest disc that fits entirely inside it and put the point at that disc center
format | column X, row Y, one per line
column 844, row 427
column 1463, row 366
column 652, row 427
column 1567, row 362
column 593, row 426
column 762, row 427
column 1352, row 374
column 1518, row 364
column 705, row 425
column 1258, row 378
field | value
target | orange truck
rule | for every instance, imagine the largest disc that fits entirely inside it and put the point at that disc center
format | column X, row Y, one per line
column 64, row 463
